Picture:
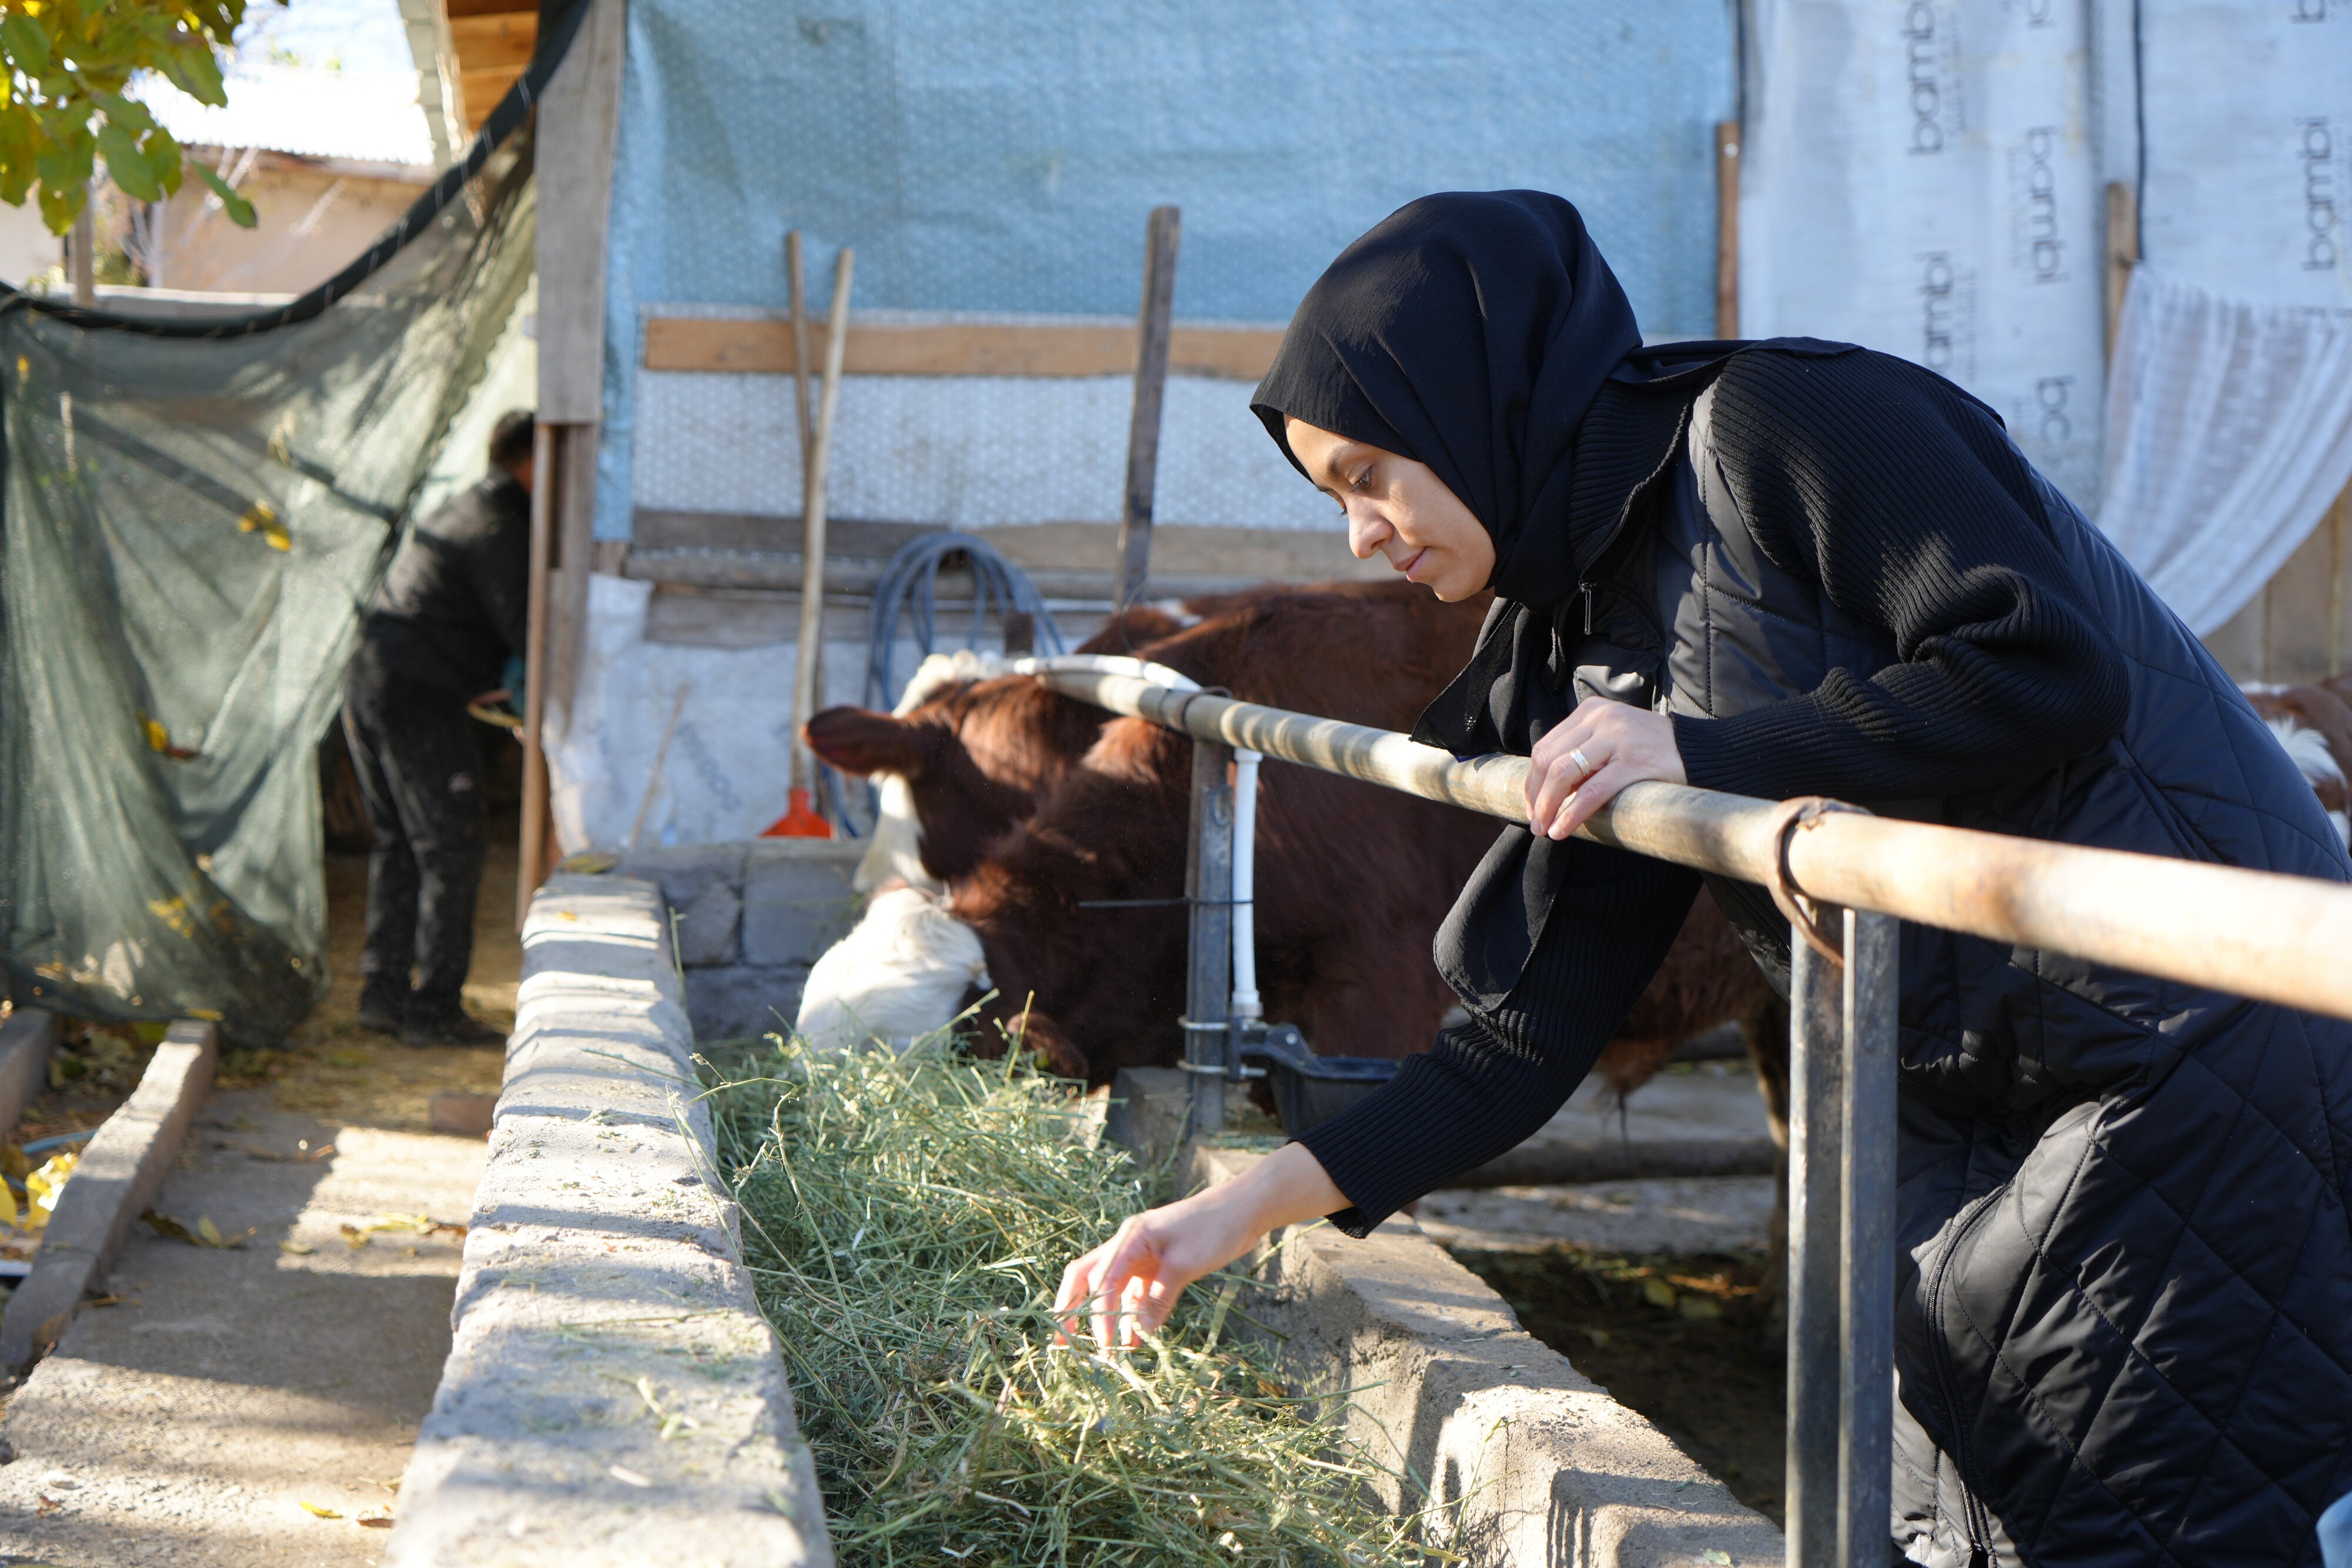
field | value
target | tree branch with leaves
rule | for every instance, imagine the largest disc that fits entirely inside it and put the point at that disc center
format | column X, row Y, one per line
column 69, row 65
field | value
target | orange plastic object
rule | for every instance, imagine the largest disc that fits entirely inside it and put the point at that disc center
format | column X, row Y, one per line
column 798, row 821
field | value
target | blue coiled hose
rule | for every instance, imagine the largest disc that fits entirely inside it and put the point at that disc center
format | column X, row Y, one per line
column 909, row 586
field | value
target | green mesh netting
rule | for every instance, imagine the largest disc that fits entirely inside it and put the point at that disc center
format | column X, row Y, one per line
column 189, row 528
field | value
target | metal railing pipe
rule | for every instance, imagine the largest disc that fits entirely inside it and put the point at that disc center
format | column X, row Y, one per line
column 2261, row 935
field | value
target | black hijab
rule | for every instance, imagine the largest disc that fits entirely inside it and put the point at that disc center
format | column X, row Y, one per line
column 1470, row 331
column 1481, row 333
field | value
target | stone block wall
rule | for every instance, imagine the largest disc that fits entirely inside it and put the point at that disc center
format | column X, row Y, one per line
column 750, row 919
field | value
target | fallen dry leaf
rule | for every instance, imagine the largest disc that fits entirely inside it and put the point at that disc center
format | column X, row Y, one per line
column 321, row 1512
column 353, row 1237
column 628, row 1476
column 296, row 1249
column 206, row 1234
column 375, row 1518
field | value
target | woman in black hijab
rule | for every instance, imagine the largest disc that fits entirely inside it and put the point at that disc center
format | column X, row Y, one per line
column 2125, row 1271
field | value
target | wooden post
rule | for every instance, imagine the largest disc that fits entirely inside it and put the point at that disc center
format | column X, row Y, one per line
column 570, row 556
column 1151, row 330
column 2337, row 517
column 579, row 120
column 532, row 871
column 1727, row 228
column 2123, row 253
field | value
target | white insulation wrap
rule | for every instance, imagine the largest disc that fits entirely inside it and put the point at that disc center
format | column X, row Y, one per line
column 2229, row 435
column 723, row 775
column 2248, row 110
column 1918, row 179
column 962, row 451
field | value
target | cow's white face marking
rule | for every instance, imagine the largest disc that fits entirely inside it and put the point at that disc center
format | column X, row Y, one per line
column 896, row 848
column 2307, row 749
column 898, row 975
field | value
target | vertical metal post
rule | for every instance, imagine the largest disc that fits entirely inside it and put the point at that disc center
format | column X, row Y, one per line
column 1867, row 1402
column 1209, row 887
column 1816, row 1121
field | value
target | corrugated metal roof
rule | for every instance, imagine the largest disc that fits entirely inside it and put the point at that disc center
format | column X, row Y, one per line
column 369, row 116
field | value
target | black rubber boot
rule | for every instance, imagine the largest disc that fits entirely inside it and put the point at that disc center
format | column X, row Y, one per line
column 448, row 1023
column 385, row 1008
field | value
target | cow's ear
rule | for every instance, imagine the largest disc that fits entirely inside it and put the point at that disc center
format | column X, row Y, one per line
column 859, row 740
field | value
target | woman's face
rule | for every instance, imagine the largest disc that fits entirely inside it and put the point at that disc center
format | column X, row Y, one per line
column 1399, row 509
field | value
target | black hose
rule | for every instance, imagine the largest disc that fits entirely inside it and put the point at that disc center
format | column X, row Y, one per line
column 908, row 588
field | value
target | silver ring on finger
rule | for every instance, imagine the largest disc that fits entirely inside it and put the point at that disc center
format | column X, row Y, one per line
column 1584, row 768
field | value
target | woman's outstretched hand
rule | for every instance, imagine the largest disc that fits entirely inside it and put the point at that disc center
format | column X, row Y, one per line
column 1126, row 1288
column 1583, row 761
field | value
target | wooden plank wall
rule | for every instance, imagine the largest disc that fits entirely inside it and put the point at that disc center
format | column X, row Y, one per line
column 765, row 345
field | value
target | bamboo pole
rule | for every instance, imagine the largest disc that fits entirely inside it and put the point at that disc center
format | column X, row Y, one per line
column 801, row 428
column 806, row 690
column 2253, row 934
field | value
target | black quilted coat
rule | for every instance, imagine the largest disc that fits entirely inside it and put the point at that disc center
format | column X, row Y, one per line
column 2124, row 1288
column 2124, row 1292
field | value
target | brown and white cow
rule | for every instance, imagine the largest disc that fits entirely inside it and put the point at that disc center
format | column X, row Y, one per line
column 1045, row 844
column 2315, row 725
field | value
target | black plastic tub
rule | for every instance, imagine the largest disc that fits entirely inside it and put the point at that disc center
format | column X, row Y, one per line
column 1310, row 1088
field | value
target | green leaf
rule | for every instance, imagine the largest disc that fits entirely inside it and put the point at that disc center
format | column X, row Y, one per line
column 61, row 204
column 240, row 211
column 127, row 164
column 28, row 45
column 67, row 160
column 129, row 113
column 163, row 155
column 20, row 133
column 195, row 72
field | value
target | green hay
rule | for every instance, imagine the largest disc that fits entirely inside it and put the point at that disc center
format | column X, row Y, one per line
column 907, row 1220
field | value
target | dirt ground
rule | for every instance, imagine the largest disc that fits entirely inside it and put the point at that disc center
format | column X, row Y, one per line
column 254, row 1403
column 1680, row 1338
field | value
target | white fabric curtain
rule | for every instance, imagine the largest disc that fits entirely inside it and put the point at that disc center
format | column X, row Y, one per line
column 2229, row 435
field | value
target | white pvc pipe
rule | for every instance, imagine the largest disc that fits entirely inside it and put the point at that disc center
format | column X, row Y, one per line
column 1104, row 664
column 1245, row 998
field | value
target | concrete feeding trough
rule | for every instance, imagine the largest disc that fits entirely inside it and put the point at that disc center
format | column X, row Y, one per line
column 749, row 919
column 613, row 1395
column 602, row 1253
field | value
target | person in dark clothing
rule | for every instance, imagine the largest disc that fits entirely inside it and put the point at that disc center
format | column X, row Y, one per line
column 449, row 615
column 2125, row 1263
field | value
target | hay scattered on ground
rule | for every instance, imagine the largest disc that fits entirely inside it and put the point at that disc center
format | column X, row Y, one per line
column 907, row 1220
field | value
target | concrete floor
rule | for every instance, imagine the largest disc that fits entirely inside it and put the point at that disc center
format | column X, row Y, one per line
column 1697, row 1214
column 193, row 1419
